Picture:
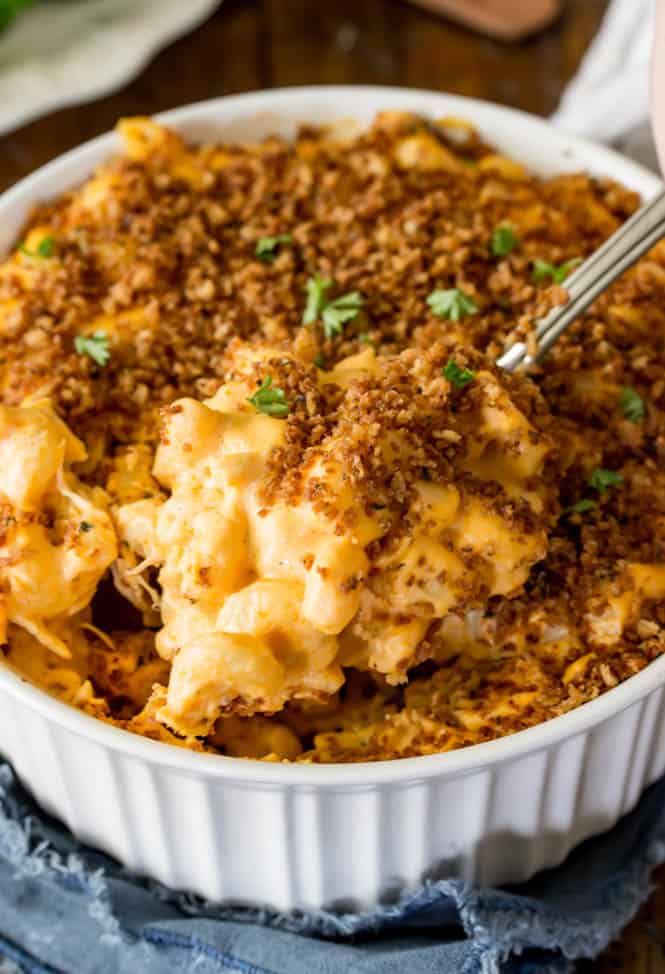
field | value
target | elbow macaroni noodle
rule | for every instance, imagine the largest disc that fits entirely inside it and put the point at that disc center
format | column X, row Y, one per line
column 362, row 577
column 261, row 602
column 57, row 538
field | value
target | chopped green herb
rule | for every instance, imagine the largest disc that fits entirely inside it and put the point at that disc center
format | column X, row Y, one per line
column 364, row 338
column 581, row 507
column 45, row 248
column 601, row 479
column 84, row 526
column 270, row 400
column 504, row 240
column 632, row 405
column 336, row 313
column 319, row 361
column 333, row 314
column 267, row 247
column 451, row 303
column 315, row 288
column 543, row 269
column 457, row 376
column 94, row 346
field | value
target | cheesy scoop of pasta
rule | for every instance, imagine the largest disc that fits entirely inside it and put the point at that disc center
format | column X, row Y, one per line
column 323, row 519
column 56, row 537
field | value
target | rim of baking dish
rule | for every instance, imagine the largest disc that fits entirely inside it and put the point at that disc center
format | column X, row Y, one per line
column 271, row 111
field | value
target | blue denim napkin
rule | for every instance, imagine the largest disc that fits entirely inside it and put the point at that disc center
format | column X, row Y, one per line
column 65, row 909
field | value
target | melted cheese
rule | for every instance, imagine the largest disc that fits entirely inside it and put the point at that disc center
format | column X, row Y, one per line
column 57, row 538
column 262, row 602
column 614, row 604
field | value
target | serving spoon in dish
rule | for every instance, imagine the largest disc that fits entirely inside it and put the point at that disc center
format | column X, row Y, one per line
column 619, row 252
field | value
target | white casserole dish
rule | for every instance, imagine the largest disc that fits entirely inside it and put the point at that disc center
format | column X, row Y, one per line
column 306, row 836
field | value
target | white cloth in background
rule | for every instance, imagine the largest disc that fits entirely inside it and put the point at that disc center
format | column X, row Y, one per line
column 58, row 54
column 608, row 99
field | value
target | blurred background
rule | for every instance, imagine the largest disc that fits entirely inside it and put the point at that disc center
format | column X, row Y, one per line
column 120, row 57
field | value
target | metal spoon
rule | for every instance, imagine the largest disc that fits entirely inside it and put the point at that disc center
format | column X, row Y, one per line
column 619, row 252
column 644, row 229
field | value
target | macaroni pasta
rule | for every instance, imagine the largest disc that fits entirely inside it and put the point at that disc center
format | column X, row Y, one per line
column 262, row 490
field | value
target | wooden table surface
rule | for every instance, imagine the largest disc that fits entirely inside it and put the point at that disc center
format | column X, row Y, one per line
column 264, row 43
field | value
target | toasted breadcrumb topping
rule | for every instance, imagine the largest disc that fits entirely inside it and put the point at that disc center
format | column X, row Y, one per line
column 154, row 286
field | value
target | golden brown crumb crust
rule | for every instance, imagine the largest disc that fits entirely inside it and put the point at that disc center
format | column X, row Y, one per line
column 362, row 218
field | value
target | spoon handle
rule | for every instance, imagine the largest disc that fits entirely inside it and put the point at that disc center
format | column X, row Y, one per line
column 644, row 229
column 633, row 239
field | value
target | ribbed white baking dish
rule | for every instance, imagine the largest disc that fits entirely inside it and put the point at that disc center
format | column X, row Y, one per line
column 307, row 836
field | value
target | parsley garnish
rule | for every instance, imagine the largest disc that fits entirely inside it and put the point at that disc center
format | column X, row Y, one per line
column 456, row 376
column 451, row 303
column 338, row 312
column 601, row 479
column 94, row 346
column 364, row 338
column 319, row 361
column 581, row 507
column 270, row 400
column 333, row 314
column 504, row 240
column 632, row 405
column 543, row 269
column 84, row 526
column 315, row 288
column 267, row 247
column 45, row 248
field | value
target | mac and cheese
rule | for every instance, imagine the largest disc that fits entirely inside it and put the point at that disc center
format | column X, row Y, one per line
column 262, row 490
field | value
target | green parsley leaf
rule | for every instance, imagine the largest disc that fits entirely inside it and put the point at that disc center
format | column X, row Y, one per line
column 504, row 240
column 45, row 248
column 84, row 527
column 333, row 314
column 315, row 288
column 267, row 247
column 581, row 507
column 94, row 346
column 456, row 376
column 632, row 405
column 320, row 362
column 270, row 400
column 336, row 313
column 364, row 338
column 451, row 303
column 543, row 269
column 601, row 479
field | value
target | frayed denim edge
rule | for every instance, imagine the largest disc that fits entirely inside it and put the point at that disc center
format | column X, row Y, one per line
column 25, row 961
column 481, row 919
column 579, row 936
